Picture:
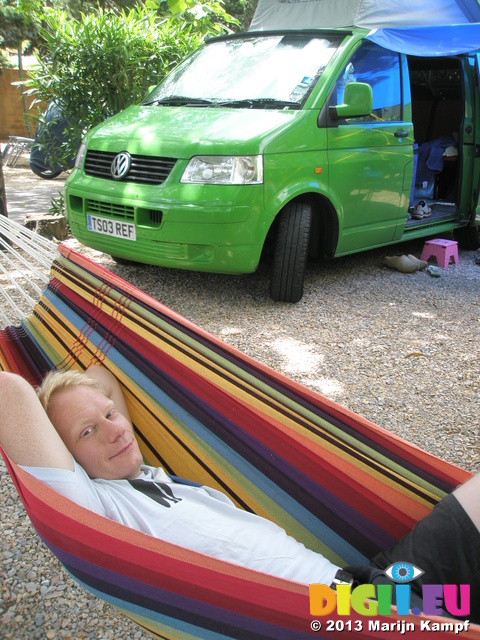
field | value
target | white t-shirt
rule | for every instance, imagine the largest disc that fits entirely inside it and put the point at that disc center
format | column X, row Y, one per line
column 198, row 518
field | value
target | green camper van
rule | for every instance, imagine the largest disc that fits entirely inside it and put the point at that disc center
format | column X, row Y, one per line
column 292, row 142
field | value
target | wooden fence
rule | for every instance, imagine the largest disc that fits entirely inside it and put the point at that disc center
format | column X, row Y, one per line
column 12, row 121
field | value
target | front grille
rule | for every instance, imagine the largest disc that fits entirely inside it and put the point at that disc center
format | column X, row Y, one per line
column 109, row 209
column 144, row 169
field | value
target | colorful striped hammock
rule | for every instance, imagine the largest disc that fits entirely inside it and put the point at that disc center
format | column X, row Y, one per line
column 207, row 412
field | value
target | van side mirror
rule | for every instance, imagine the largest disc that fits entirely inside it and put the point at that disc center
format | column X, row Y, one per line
column 357, row 101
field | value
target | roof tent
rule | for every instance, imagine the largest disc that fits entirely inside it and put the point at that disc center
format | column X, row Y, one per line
column 447, row 27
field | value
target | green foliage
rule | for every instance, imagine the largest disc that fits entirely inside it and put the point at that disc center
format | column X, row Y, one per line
column 101, row 63
column 19, row 24
column 207, row 17
column 57, row 205
column 243, row 11
column 75, row 8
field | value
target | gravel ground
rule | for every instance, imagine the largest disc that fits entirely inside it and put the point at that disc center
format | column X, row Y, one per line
column 399, row 349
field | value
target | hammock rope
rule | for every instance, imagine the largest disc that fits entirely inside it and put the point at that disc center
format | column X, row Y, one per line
column 25, row 260
column 204, row 411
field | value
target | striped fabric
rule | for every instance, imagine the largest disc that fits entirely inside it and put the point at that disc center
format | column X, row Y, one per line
column 206, row 412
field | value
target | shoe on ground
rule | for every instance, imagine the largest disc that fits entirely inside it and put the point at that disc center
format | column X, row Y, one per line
column 421, row 264
column 435, row 272
column 401, row 263
column 421, row 210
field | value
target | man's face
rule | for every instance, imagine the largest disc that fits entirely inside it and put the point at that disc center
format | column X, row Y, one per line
column 99, row 438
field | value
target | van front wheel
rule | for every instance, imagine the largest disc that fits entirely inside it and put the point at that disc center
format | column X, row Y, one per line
column 291, row 252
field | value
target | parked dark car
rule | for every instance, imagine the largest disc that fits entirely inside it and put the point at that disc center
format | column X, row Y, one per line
column 46, row 153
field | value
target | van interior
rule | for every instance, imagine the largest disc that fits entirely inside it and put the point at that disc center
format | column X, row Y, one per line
column 437, row 114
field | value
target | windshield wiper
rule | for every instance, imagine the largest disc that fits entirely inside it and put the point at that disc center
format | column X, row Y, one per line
column 248, row 103
column 180, row 101
column 259, row 103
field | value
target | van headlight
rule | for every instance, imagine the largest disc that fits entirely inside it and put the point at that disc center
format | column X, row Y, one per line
column 224, row 170
column 80, row 156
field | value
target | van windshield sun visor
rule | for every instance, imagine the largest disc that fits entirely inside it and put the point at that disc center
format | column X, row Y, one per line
column 267, row 71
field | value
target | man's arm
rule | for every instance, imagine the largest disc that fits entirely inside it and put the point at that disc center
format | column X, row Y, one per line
column 26, row 433
column 111, row 386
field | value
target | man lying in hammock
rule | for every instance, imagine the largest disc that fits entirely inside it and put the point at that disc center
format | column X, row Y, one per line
column 85, row 416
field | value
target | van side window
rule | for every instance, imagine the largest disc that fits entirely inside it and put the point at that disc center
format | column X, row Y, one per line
column 380, row 69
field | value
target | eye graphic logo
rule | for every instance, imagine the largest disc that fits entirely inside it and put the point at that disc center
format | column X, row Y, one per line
column 403, row 572
column 372, row 600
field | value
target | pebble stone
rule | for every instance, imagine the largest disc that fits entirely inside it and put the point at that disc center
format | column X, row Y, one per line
column 400, row 349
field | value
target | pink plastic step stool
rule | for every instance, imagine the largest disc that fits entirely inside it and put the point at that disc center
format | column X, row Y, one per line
column 443, row 250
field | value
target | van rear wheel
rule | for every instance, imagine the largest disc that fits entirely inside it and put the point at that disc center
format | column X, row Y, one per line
column 291, row 252
column 468, row 237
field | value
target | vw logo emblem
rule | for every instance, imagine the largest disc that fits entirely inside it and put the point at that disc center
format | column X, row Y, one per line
column 121, row 165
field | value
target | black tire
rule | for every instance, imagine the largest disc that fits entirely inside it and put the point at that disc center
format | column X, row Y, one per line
column 46, row 174
column 468, row 238
column 290, row 252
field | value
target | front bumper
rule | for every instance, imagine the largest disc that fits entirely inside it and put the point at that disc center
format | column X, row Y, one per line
column 202, row 228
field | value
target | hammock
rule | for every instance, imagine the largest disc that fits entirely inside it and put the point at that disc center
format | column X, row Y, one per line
column 204, row 411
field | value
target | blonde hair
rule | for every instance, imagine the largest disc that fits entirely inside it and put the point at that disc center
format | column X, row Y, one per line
column 57, row 380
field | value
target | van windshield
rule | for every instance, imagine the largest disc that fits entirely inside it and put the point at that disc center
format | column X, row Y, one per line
column 267, row 71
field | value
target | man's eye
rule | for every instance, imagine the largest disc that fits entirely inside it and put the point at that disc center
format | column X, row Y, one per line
column 87, row 432
column 111, row 413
